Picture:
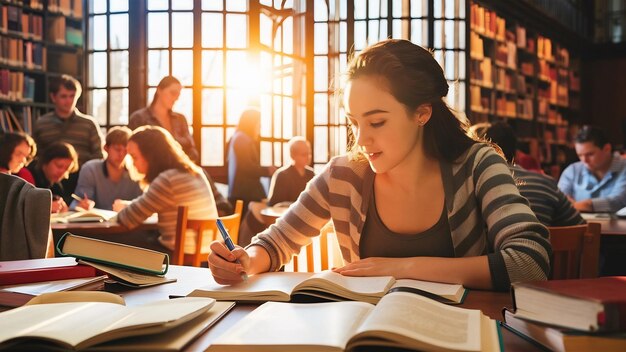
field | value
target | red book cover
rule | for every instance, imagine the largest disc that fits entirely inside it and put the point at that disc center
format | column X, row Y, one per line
column 38, row 270
column 609, row 292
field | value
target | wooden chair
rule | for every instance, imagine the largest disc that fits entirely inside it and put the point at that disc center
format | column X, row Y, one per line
column 202, row 228
column 323, row 258
column 576, row 251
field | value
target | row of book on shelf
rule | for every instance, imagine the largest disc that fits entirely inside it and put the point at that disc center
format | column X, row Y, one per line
column 21, row 122
column 16, row 86
column 30, row 26
column 22, row 53
column 562, row 315
column 71, row 8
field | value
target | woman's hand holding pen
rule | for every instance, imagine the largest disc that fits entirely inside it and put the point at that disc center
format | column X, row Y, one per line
column 85, row 202
column 223, row 266
column 58, row 205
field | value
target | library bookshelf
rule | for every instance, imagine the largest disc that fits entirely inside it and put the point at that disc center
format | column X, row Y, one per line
column 39, row 40
column 528, row 80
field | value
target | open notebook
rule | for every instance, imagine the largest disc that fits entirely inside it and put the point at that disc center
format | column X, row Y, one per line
column 93, row 215
column 329, row 286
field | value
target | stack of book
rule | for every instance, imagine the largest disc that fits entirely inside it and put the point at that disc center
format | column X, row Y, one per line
column 571, row 315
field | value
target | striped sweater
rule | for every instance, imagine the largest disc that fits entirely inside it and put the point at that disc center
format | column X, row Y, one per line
column 79, row 130
column 172, row 188
column 486, row 213
column 550, row 205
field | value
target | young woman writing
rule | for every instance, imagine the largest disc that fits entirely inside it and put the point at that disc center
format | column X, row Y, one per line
column 416, row 198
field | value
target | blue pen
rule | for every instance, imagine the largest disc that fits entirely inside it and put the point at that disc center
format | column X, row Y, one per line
column 229, row 244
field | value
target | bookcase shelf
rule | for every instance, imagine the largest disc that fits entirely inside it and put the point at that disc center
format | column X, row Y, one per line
column 39, row 39
column 525, row 78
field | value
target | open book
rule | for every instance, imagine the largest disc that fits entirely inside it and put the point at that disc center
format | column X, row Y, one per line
column 86, row 324
column 92, row 215
column 399, row 320
column 327, row 285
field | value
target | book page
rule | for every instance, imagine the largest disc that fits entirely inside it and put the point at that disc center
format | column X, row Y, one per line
column 260, row 287
column 134, row 278
column 80, row 324
column 174, row 339
column 417, row 322
column 37, row 288
column 350, row 287
column 295, row 327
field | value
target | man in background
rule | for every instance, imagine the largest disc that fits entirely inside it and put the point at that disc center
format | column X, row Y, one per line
column 597, row 183
column 549, row 204
column 100, row 181
column 67, row 124
column 290, row 180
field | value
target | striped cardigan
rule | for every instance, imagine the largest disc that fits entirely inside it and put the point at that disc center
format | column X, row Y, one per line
column 486, row 213
column 167, row 191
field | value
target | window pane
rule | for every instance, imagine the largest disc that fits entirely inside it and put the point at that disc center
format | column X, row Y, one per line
column 119, row 31
column 212, row 26
column 374, row 8
column 182, row 30
column 97, row 6
column 212, row 146
column 266, row 113
column 98, row 24
column 182, row 66
column 321, row 145
column 278, row 116
column 438, row 34
column 278, row 153
column 236, row 31
column 321, row 11
column 237, row 5
column 184, row 104
column 158, row 30
column 119, row 68
column 212, row 106
column 419, row 32
column 265, row 28
column 117, row 5
column 119, row 106
column 321, row 109
column 158, row 66
column 360, row 9
column 321, row 38
column 419, row 8
column 266, row 155
column 287, row 117
column 320, row 72
column 212, row 68
column 360, row 39
column 156, row 4
column 288, row 36
column 212, row 5
column 236, row 103
column 182, row 5
column 236, row 61
column 98, row 78
column 98, row 99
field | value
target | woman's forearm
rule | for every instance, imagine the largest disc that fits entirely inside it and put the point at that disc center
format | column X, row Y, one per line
column 471, row 272
column 259, row 260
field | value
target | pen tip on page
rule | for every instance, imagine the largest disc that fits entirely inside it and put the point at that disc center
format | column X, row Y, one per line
column 244, row 277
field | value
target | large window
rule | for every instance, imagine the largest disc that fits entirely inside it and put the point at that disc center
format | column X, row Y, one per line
column 279, row 56
column 107, row 56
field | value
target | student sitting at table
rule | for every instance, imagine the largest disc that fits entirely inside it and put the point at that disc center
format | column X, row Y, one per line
column 17, row 150
column 53, row 165
column 286, row 185
column 417, row 198
column 173, row 180
column 102, row 181
column 548, row 202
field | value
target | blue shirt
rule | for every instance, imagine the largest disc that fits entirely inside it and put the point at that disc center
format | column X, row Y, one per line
column 607, row 194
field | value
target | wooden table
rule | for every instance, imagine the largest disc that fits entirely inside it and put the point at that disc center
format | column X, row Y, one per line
column 270, row 214
column 189, row 278
column 611, row 225
column 97, row 228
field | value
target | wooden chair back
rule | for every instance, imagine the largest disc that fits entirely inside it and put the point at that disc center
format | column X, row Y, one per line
column 576, row 251
column 202, row 228
column 310, row 252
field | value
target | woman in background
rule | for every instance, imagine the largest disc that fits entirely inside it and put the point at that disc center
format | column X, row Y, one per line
column 417, row 198
column 244, row 165
column 173, row 180
column 53, row 165
column 17, row 150
column 160, row 113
